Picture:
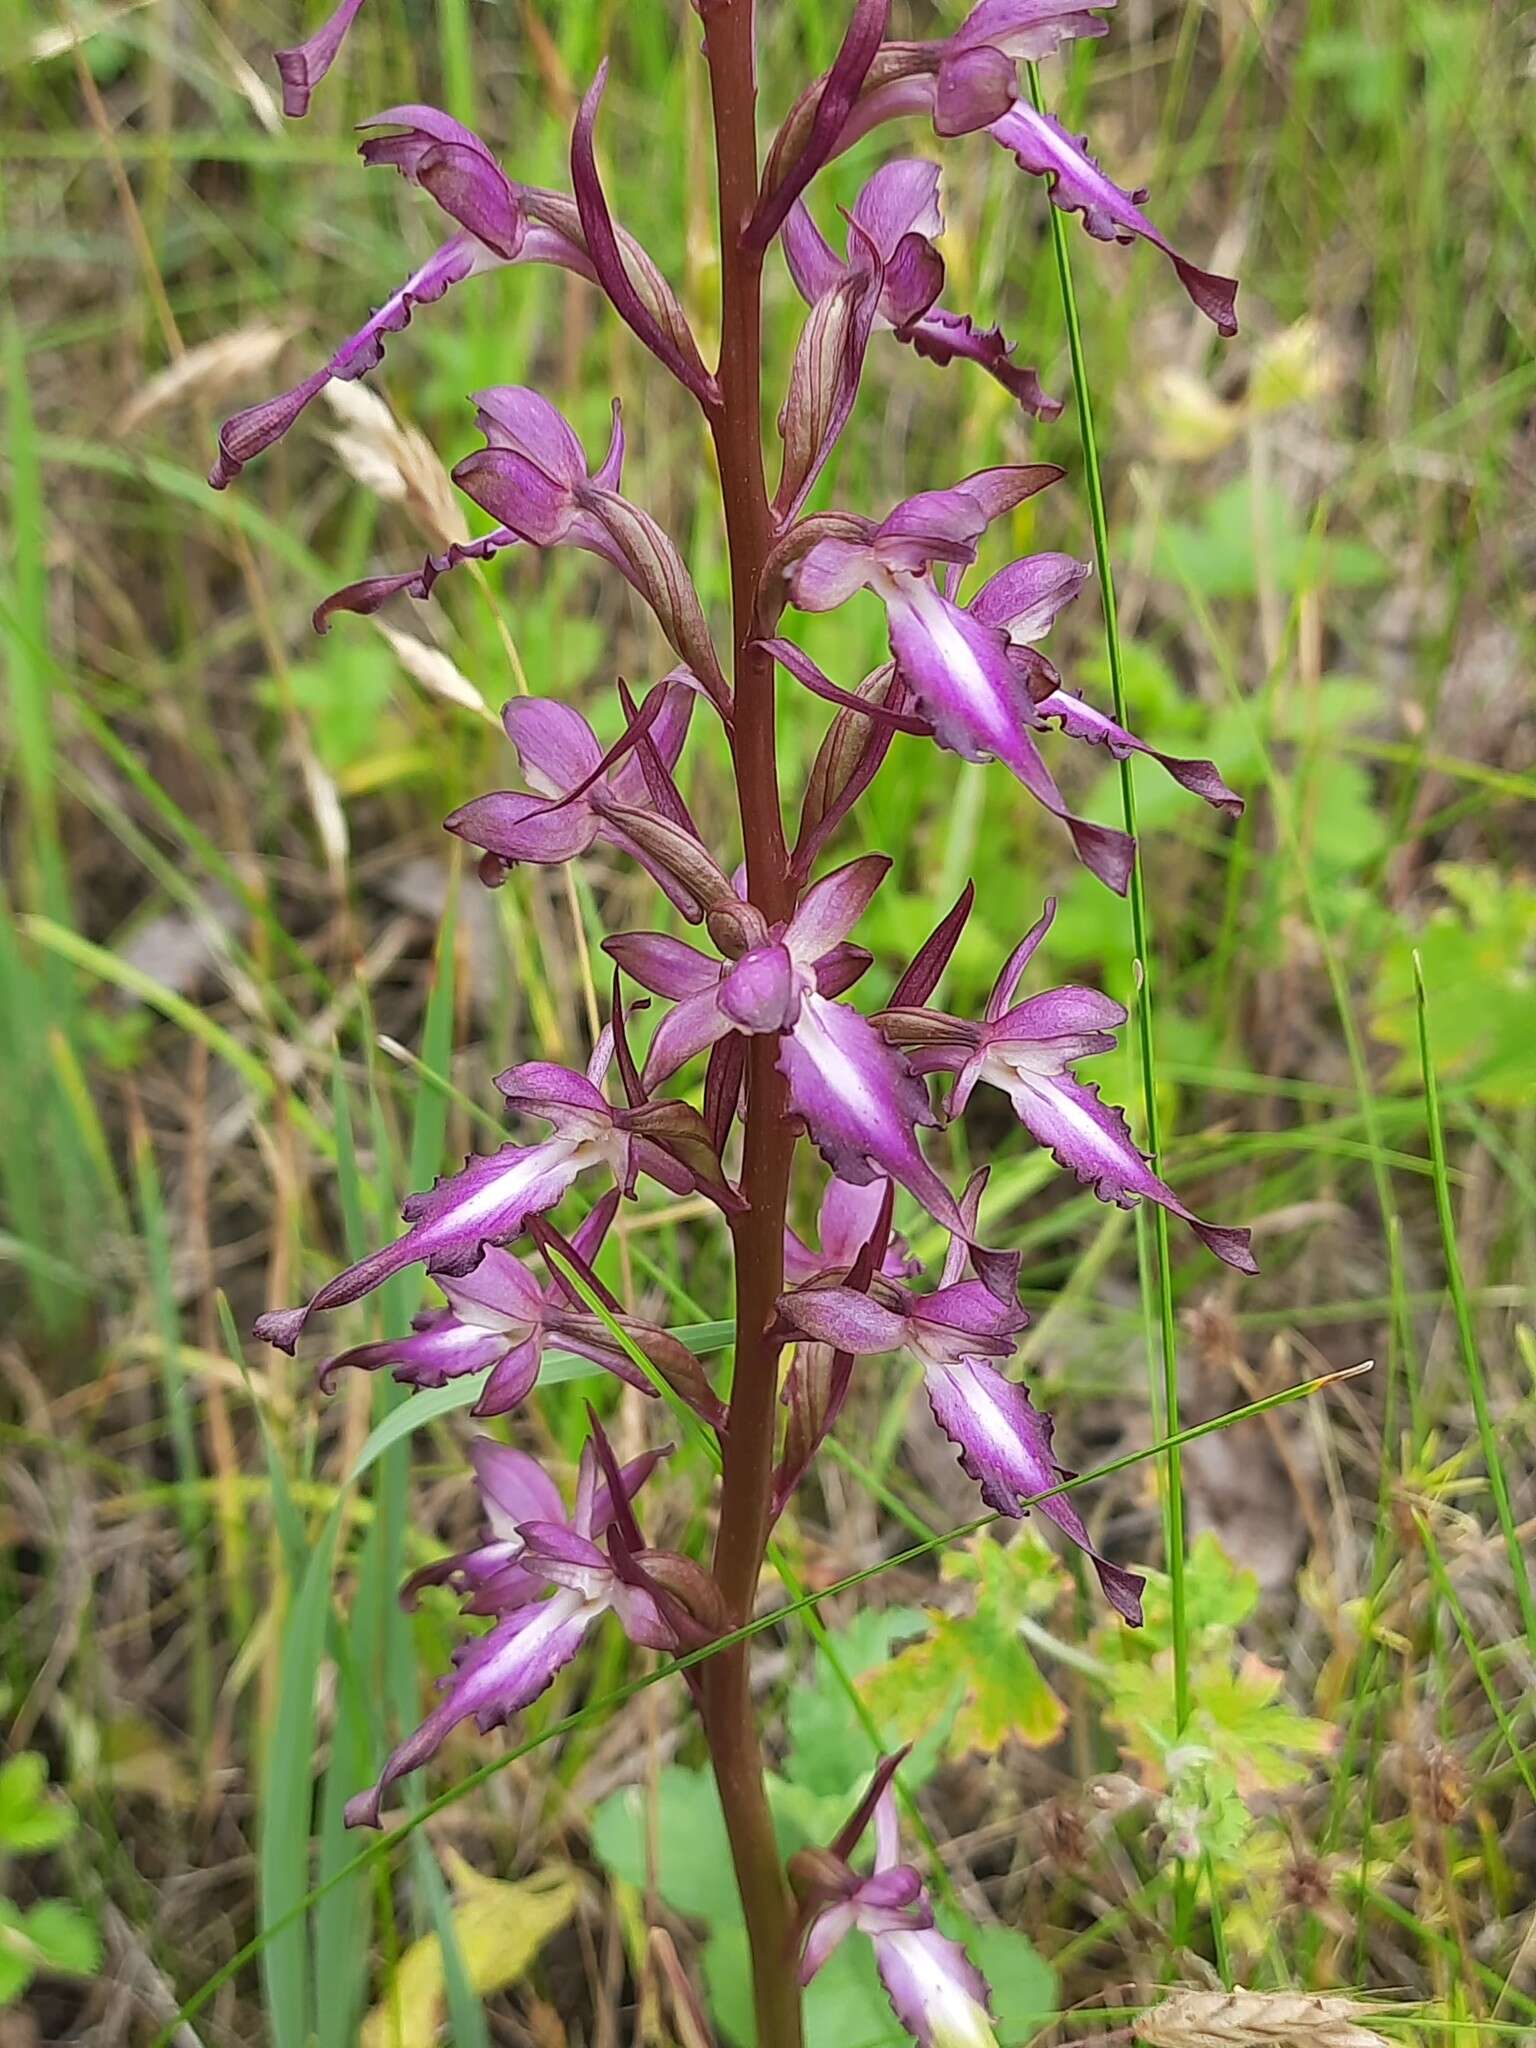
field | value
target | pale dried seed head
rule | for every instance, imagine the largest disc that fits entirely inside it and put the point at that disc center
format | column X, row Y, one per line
column 397, row 463
column 209, row 371
column 1256, row 2019
column 436, row 674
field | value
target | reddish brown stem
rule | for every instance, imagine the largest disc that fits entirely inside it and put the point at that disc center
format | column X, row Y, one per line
column 746, row 1485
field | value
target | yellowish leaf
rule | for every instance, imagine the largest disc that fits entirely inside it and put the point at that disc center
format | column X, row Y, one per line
column 500, row 1929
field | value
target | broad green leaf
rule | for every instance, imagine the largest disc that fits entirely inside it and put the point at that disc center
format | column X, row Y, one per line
column 31, row 1817
column 500, row 1929
column 692, row 1851
column 1022, row 1982
column 973, row 1674
column 829, row 1748
column 64, row 1937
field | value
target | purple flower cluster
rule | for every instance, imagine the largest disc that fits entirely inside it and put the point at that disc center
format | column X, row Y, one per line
column 765, row 1003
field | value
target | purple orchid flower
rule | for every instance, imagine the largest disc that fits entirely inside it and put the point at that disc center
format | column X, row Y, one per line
column 959, row 668
column 543, row 1574
column 573, row 801
column 492, row 1200
column 935, row 1990
column 499, row 223
column 846, row 1222
column 1023, row 601
column 1027, row 1050
column 499, row 1315
column 968, row 81
column 532, row 477
column 1003, row 1440
column 496, row 228
column 860, row 1106
column 894, row 222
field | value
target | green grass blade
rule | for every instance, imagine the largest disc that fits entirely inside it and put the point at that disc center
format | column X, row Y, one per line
column 1466, row 1329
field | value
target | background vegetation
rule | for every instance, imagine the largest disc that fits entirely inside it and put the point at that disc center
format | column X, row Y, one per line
column 247, row 997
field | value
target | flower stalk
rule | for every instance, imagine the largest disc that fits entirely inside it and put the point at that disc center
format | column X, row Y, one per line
column 789, row 1056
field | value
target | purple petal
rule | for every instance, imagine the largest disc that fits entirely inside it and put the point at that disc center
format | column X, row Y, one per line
column 1092, row 1139
column 518, row 827
column 302, row 68
column 936, row 1991
column 902, row 198
column 1081, row 722
column 514, row 1487
column 671, row 343
column 974, row 88
column 1077, row 184
column 848, row 1216
column 958, row 668
column 760, row 992
column 514, row 1378
column 831, row 908
column 450, row 1225
column 1080, row 1018
column 844, row 1319
column 247, row 434
column 449, row 161
column 569, row 1101
column 945, row 525
column 1005, row 1445
column 498, row 1294
column 662, row 964
column 521, row 420
column 691, row 1026
column 835, row 102
column 555, row 744
column 828, row 1930
column 971, row 1309
column 860, row 1102
column 828, row 574
column 366, row 597
column 1028, row 29
column 928, row 963
column 1026, row 597
column 629, row 781
column 502, row 1672
column 838, row 969
column 813, row 265
column 943, row 337
column 441, row 1349
column 1007, row 982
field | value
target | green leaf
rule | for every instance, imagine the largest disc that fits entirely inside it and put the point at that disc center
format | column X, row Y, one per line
column 1022, row 1982
column 31, row 1818
column 829, row 1748
column 500, row 1929
column 692, row 1850
column 973, row 1674
column 1219, row 556
column 52, row 1936
column 65, row 1939
column 1479, row 958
